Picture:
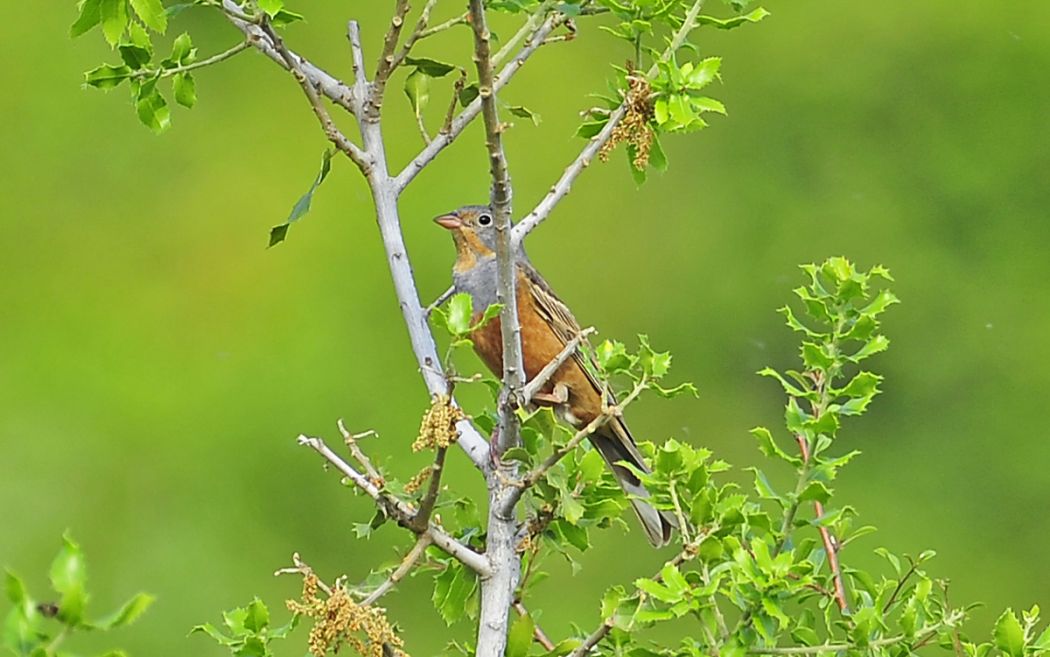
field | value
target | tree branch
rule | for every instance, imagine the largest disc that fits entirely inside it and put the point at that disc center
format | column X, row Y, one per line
column 831, row 547
column 537, row 632
column 331, row 131
column 463, row 119
column 544, row 375
column 186, row 68
column 387, row 62
column 355, row 450
column 334, row 89
column 583, row 160
column 426, row 505
column 399, row 510
column 403, row 568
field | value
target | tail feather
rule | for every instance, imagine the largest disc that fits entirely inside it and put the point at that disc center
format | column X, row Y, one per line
column 615, row 450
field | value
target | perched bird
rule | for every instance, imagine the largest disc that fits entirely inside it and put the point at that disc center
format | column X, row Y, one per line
column 547, row 326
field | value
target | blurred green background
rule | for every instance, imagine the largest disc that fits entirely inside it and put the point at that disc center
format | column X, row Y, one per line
column 158, row 361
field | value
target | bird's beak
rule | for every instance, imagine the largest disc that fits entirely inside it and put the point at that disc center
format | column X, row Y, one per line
column 448, row 222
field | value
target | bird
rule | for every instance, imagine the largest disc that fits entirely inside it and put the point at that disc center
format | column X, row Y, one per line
column 547, row 326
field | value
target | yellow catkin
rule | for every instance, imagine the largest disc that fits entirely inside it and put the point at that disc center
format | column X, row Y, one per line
column 634, row 128
column 438, row 428
column 418, row 479
column 339, row 620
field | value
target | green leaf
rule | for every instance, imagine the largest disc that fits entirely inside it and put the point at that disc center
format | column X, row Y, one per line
column 523, row 112
column 452, row 589
column 704, row 73
column 657, row 156
column 285, row 17
column 153, row 110
column 873, row 346
column 460, row 313
column 491, row 313
column 88, row 17
column 152, row 14
column 302, row 206
column 430, row 67
column 815, row 491
column 106, row 76
column 519, row 638
column 1009, row 635
column 271, row 7
column 612, row 356
column 214, row 633
column 736, row 21
column 182, row 50
column 258, row 617
column 128, row 613
column 185, row 89
column 69, row 578
column 15, row 588
column 417, row 86
column 468, row 93
column 114, row 17
column 767, row 445
column 589, row 129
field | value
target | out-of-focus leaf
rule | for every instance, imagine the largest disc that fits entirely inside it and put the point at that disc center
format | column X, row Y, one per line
column 736, row 21
column 152, row 14
column 523, row 112
column 185, row 89
column 1009, row 635
column 519, row 638
column 87, row 18
column 114, row 17
column 69, row 578
column 128, row 613
column 430, row 67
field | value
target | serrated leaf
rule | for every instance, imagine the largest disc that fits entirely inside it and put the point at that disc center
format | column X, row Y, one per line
column 69, row 578
column 152, row 110
column 302, row 206
column 873, row 346
column 87, row 18
column 459, row 313
column 185, row 90
column 106, row 76
column 430, row 67
column 519, row 638
column 271, row 7
column 114, row 18
column 128, row 613
column 815, row 491
column 214, row 633
column 152, row 14
column 258, row 617
column 736, row 21
column 491, row 313
column 182, row 49
column 285, row 17
column 1009, row 635
column 452, row 588
column 523, row 112
column 767, row 445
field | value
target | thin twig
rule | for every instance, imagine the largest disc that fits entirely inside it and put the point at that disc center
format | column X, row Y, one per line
column 462, row 19
column 403, row 568
column 542, row 469
column 543, row 376
column 186, row 68
column 421, row 26
column 537, row 632
column 587, row 155
column 358, row 454
column 527, row 27
column 440, row 301
column 926, row 635
column 426, row 506
column 450, row 114
column 293, row 63
column 688, row 553
column 401, row 511
column 471, row 111
column 336, row 91
column 387, row 62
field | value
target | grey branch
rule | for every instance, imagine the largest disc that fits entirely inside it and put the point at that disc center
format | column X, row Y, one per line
column 544, row 375
column 387, row 62
column 335, row 90
column 471, row 111
column 403, row 568
column 401, row 511
column 583, row 160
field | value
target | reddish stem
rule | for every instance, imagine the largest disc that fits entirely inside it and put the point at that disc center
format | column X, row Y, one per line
column 830, row 545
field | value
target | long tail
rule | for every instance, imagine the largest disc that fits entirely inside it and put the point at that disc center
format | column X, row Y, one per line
column 615, row 444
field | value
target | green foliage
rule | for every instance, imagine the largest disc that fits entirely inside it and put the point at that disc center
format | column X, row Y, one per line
column 247, row 631
column 39, row 629
column 302, row 206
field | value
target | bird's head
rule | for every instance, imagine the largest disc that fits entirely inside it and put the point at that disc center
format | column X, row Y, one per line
column 474, row 232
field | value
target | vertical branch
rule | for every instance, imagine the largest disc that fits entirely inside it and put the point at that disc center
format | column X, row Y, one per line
column 497, row 590
column 831, row 546
column 513, row 371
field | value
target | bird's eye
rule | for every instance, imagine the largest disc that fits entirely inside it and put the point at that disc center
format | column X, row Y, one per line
column 484, row 220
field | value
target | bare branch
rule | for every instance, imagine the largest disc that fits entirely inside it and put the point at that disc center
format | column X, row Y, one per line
column 403, row 568
column 387, row 62
column 831, row 546
column 527, row 27
column 458, row 124
column 426, row 505
column 293, row 64
column 416, row 35
column 500, row 203
column 544, row 375
column 336, row 91
column 462, row 19
column 399, row 510
column 358, row 454
column 440, row 301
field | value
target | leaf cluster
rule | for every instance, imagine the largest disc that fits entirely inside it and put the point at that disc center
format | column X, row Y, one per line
column 39, row 629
